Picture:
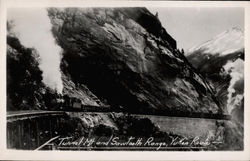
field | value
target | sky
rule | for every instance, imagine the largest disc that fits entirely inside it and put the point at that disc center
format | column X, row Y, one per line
column 193, row 26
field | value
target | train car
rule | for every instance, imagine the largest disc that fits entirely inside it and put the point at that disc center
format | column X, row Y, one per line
column 77, row 104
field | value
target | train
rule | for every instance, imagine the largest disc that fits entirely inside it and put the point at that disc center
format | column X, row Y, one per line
column 67, row 103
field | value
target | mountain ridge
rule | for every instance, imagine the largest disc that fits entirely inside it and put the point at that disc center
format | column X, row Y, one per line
column 232, row 39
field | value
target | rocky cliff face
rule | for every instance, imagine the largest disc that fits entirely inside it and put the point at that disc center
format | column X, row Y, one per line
column 128, row 60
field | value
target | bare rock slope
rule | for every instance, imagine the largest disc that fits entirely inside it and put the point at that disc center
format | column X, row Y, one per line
column 126, row 57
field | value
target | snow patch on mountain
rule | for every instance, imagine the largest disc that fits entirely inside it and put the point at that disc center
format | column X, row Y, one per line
column 225, row 43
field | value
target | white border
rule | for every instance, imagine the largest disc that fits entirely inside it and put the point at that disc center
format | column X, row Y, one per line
column 6, row 154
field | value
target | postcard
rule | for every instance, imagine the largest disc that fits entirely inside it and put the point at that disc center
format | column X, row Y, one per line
column 125, row 80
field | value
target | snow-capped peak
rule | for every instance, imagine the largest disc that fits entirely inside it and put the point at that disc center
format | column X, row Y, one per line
column 225, row 43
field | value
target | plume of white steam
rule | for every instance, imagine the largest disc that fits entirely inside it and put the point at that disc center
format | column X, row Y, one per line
column 236, row 71
column 33, row 28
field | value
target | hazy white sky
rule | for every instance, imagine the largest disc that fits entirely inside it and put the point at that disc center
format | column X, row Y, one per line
column 193, row 26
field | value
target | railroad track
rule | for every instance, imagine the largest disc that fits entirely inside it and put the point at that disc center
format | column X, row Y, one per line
column 36, row 113
column 21, row 115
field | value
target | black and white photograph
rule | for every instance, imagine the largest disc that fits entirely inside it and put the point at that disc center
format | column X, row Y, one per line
column 137, row 78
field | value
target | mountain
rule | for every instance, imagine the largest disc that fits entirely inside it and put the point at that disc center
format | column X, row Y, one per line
column 221, row 61
column 126, row 57
column 225, row 43
column 215, row 53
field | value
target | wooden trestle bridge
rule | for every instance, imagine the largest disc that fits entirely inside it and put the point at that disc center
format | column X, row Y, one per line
column 30, row 129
